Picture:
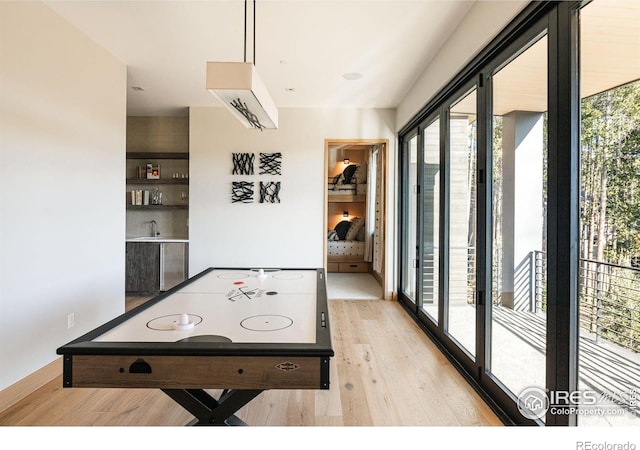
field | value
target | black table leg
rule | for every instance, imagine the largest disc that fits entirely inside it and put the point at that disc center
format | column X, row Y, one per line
column 208, row 410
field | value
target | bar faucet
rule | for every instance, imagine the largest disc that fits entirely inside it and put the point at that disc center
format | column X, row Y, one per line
column 154, row 229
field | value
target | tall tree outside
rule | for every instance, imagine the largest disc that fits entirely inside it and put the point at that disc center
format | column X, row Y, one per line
column 610, row 215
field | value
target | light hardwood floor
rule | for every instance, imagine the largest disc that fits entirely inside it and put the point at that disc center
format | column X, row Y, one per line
column 386, row 372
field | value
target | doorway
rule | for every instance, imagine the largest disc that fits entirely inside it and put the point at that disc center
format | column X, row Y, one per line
column 355, row 218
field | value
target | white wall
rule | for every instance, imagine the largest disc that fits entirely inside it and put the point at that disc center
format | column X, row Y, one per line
column 62, row 159
column 481, row 24
column 289, row 234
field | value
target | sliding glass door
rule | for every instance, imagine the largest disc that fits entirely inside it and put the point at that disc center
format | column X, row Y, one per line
column 409, row 208
column 609, row 261
column 520, row 247
column 461, row 192
column 474, row 219
column 430, row 215
column 518, row 147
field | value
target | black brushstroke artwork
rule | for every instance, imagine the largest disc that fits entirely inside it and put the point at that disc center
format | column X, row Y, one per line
column 270, row 192
column 241, row 192
column 243, row 163
column 271, row 163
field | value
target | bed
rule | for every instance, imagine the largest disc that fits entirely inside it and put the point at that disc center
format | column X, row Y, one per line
column 345, row 248
column 352, row 181
column 347, row 238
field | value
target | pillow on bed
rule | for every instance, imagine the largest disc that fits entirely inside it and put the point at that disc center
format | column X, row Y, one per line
column 342, row 228
column 332, row 236
column 348, row 173
column 356, row 225
column 361, row 173
column 360, row 237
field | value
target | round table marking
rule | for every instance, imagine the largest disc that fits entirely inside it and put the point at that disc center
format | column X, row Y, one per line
column 171, row 322
column 266, row 323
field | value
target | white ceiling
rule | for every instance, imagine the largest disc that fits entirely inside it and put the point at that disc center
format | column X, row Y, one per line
column 306, row 45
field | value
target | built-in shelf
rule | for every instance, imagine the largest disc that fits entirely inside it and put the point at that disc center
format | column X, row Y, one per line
column 173, row 168
column 156, row 207
column 155, row 155
column 183, row 181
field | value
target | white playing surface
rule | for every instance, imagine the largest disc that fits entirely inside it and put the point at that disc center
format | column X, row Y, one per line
column 279, row 308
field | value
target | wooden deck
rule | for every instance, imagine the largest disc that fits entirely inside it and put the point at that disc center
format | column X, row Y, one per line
column 606, row 368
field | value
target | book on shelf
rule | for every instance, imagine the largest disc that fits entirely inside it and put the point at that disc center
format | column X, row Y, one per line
column 139, row 198
column 153, row 171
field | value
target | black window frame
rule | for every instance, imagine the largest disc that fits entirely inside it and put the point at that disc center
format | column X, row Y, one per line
column 560, row 20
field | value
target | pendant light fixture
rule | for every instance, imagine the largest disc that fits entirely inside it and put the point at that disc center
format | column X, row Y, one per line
column 240, row 89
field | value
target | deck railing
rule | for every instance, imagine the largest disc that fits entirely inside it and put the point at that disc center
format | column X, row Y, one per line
column 609, row 299
column 609, row 294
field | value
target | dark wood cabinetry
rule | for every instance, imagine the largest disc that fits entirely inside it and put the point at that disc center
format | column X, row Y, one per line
column 153, row 267
column 143, row 268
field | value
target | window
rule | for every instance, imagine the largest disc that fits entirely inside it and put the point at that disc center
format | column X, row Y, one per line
column 517, row 312
column 609, row 281
column 430, row 208
column 462, row 186
column 409, row 218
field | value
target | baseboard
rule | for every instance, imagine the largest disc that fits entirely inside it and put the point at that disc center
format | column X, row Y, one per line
column 19, row 390
column 389, row 295
column 377, row 277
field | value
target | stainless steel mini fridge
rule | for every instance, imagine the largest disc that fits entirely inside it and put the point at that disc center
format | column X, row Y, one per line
column 174, row 257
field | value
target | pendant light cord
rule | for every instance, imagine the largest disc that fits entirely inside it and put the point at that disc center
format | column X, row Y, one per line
column 254, row 31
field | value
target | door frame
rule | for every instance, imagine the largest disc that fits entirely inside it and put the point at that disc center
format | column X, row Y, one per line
column 384, row 143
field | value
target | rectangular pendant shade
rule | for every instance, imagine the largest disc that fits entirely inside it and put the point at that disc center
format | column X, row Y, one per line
column 238, row 86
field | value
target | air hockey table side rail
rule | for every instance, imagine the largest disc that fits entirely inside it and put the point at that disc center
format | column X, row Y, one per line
column 200, row 365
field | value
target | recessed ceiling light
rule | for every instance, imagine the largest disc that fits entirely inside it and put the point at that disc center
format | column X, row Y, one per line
column 290, row 89
column 352, row 76
column 137, row 88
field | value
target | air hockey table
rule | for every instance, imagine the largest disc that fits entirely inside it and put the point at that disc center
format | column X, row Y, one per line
column 241, row 331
